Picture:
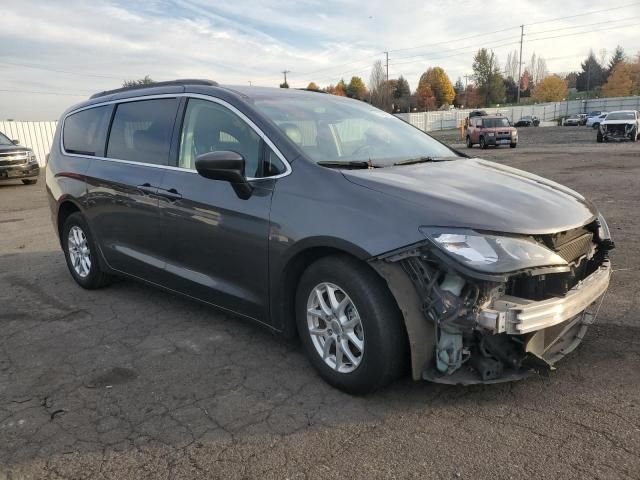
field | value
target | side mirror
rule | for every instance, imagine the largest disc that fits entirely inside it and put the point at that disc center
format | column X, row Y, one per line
column 227, row 166
column 15, row 142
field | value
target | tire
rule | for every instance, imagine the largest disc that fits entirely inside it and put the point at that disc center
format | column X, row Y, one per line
column 483, row 145
column 379, row 328
column 513, row 145
column 88, row 276
column 29, row 181
column 634, row 135
column 469, row 142
column 596, row 125
column 599, row 138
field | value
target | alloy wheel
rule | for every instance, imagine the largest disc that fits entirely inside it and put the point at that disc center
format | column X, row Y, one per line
column 335, row 327
column 79, row 252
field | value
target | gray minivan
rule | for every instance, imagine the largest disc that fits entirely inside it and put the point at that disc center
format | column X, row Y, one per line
column 324, row 217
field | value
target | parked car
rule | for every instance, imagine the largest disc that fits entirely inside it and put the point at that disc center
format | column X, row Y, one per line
column 477, row 113
column 325, row 217
column 17, row 162
column 573, row 120
column 595, row 121
column 528, row 121
column 619, row 125
column 491, row 131
column 583, row 118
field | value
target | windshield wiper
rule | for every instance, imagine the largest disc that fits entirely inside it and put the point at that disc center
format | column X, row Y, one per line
column 350, row 164
column 410, row 161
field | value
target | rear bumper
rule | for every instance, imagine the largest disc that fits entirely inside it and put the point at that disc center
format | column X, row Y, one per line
column 17, row 172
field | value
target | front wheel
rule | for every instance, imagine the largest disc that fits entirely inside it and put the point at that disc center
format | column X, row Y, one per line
column 350, row 326
column 634, row 135
column 81, row 253
column 599, row 137
column 513, row 145
column 483, row 144
column 30, row 182
column 469, row 142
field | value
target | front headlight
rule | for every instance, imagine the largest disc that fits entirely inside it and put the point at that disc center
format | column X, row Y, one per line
column 32, row 158
column 492, row 253
column 603, row 228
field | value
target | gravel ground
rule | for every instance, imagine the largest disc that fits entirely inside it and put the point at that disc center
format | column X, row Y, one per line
column 130, row 382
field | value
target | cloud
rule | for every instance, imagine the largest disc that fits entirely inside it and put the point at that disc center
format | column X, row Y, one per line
column 77, row 47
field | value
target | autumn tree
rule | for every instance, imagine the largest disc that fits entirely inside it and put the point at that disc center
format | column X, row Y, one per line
column 592, row 74
column 440, row 85
column 425, row 97
column 510, row 90
column 617, row 58
column 312, row 86
column 487, row 77
column 620, row 81
column 525, row 81
column 550, row 89
column 356, row 88
column 137, row 83
column 469, row 98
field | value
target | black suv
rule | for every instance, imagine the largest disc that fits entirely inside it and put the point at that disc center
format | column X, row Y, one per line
column 325, row 217
column 17, row 162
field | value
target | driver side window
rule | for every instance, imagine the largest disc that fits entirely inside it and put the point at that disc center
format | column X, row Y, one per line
column 210, row 127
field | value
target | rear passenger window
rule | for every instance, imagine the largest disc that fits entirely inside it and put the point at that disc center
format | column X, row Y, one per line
column 141, row 131
column 84, row 132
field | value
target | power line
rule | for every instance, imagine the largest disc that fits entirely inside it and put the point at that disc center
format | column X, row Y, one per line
column 584, row 25
column 49, row 69
column 584, row 14
column 582, row 33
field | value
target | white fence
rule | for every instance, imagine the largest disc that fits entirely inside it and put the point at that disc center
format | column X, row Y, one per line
column 442, row 120
column 36, row 135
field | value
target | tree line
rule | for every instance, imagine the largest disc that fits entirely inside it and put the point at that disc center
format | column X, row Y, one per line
column 492, row 85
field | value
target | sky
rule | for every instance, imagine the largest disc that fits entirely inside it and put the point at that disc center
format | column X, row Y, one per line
column 57, row 53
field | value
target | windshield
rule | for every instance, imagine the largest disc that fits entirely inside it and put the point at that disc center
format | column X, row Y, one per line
column 621, row 116
column 495, row 122
column 333, row 129
column 4, row 140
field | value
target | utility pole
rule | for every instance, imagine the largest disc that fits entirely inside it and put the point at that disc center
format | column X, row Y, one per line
column 588, row 78
column 466, row 92
column 249, row 82
column 520, row 62
column 387, row 62
column 284, row 72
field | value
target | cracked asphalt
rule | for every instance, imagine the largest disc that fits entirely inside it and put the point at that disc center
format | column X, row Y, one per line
column 130, row 382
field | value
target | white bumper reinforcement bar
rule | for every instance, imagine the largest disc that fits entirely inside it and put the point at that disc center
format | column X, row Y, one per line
column 517, row 316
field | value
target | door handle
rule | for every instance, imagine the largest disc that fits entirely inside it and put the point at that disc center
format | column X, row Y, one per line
column 148, row 188
column 171, row 193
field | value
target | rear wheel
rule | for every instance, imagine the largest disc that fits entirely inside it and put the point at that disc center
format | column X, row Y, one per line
column 469, row 142
column 81, row 254
column 351, row 328
column 596, row 125
column 30, row 181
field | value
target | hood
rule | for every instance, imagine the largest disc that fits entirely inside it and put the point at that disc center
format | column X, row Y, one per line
column 629, row 121
column 474, row 193
column 13, row 148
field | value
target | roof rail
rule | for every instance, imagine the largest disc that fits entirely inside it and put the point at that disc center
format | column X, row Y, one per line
column 169, row 83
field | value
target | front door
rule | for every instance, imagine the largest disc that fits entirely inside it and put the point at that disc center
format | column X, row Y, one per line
column 122, row 200
column 216, row 242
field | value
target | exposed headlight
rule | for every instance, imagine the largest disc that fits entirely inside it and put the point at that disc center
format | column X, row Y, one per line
column 492, row 253
column 32, row 158
column 603, row 228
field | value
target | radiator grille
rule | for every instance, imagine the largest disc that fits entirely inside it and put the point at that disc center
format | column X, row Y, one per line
column 576, row 248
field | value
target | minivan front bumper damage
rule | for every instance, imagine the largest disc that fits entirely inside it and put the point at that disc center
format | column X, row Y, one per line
column 488, row 330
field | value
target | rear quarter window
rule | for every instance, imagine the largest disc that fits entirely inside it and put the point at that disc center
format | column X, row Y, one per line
column 141, row 131
column 84, row 132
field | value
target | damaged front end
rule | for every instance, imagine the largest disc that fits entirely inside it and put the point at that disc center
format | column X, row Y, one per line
column 473, row 317
column 618, row 131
